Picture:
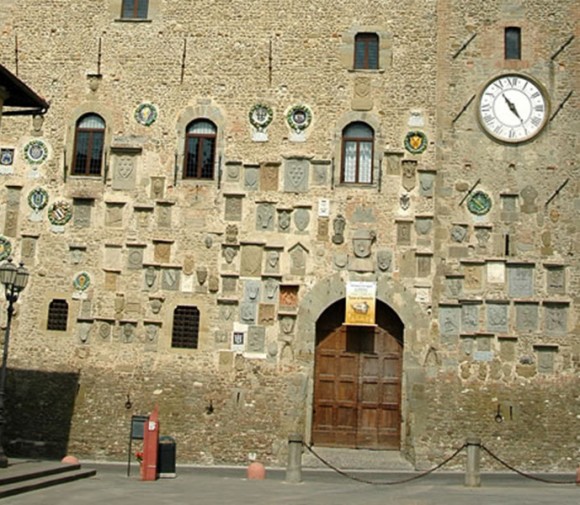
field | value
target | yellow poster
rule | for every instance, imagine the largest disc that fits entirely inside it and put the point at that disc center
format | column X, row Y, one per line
column 360, row 303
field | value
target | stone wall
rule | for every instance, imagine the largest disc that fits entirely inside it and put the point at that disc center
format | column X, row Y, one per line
column 488, row 301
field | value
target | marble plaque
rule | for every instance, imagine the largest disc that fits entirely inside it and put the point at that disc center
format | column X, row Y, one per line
column 526, row 317
column 296, row 174
column 521, row 281
column 495, row 272
column 497, row 317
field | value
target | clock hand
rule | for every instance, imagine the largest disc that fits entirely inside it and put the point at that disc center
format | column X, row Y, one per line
column 512, row 107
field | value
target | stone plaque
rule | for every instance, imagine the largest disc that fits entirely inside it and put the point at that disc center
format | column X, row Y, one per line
column 284, row 220
column 134, row 258
column 113, row 257
column 163, row 215
column 426, row 183
column 556, row 280
column 298, row 255
column 546, row 357
column 521, row 281
column 302, row 219
column 272, row 261
column 251, row 260
column 409, row 179
column 233, row 171
column 233, row 208
column 454, row 286
column 296, row 175
column 323, row 229
column 269, row 177
column 362, row 97
column 28, row 249
column 384, row 260
column 270, row 290
column 111, row 280
column 12, row 211
column 124, row 172
column 470, row 318
column 423, row 225
column 404, row 232
column 320, row 172
column 423, row 265
column 227, row 311
column 114, row 215
column 157, row 188
column 251, row 177
column 266, row 314
column 288, row 297
column 170, row 279
column 449, row 319
column 473, row 277
column 507, row 349
column 229, row 285
column 526, row 317
column 497, row 317
column 495, row 272
column 256, row 340
column 252, row 291
column 556, row 319
column 265, row 213
column 162, row 252
column 248, row 313
column 82, row 212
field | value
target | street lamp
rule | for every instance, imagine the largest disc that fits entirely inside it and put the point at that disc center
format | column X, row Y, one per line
column 14, row 280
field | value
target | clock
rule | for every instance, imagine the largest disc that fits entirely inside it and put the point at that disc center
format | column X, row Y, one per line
column 513, row 108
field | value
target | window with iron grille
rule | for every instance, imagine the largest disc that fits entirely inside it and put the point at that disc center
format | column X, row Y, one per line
column 57, row 315
column 366, row 51
column 357, row 153
column 135, row 9
column 89, row 145
column 200, row 144
column 513, row 43
column 185, row 327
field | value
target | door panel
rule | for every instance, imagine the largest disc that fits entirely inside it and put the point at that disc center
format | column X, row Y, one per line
column 357, row 393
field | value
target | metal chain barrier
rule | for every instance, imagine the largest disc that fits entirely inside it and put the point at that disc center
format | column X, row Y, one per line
column 523, row 474
column 365, row 481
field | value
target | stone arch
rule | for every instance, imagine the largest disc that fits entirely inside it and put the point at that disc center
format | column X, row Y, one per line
column 393, row 294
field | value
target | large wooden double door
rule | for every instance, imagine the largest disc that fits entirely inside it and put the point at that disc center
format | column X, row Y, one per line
column 357, row 390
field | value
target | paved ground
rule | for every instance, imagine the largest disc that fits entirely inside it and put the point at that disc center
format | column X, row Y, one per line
column 209, row 486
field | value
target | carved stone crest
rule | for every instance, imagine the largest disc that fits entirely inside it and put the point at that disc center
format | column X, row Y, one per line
column 384, row 260
column 338, row 226
column 409, row 179
column 362, row 242
column 301, row 218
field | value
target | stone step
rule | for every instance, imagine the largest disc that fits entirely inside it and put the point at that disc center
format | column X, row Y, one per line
column 29, row 476
column 356, row 459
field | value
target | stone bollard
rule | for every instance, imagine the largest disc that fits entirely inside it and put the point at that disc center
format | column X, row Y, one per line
column 472, row 475
column 294, row 465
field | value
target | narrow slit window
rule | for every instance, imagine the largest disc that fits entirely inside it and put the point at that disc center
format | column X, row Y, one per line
column 513, row 43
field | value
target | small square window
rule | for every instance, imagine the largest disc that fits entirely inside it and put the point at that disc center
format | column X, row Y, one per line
column 57, row 315
column 366, row 51
column 135, row 9
column 185, row 332
column 513, row 43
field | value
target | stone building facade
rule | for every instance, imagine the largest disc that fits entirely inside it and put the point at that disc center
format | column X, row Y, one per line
column 213, row 181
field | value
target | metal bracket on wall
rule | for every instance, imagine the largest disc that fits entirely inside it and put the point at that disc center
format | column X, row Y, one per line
column 463, row 110
column 464, row 46
column 469, row 192
column 555, row 194
column 561, row 106
column 562, row 47
column 183, row 55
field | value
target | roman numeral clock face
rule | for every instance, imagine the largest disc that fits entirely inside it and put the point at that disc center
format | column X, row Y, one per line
column 513, row 108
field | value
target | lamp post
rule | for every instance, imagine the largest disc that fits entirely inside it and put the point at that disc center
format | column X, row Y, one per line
column 14, row 280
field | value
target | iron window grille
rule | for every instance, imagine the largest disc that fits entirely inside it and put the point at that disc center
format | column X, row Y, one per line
column 185, row 333
column 57, row 315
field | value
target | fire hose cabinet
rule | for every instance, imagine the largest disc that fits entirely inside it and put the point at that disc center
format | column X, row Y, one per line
column 166, row 458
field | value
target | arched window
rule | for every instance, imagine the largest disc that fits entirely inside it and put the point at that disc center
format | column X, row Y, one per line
column 200, row 143
column 57, row 315
column 89, row 145
column 357, row 153
column 185, row 331
column 366, row 51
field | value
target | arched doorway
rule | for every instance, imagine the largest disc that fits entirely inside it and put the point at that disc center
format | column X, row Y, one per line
column 357, row 381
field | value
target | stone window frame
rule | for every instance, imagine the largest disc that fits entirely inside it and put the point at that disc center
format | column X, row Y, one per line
column 188, row 116
column 185, row 327
column 370, row 120
column 202, row 138
column 512, row 43
column 115, row 10
column 93, row 134
column 385, row 48
column 358, row 141
column 76, row 115
column 369, row 43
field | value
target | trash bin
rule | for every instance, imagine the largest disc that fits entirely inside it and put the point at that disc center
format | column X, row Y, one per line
column 166, row 457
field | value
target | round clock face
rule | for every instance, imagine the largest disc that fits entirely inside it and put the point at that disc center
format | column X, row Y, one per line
column 513, row 108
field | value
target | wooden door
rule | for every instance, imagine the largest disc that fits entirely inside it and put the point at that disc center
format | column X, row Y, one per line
column 357, row 390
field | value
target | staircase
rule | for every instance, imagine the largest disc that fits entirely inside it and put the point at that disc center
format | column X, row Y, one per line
column 22, row 476
column 357, row 459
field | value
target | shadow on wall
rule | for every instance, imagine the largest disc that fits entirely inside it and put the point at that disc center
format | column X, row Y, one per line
column 39, row 410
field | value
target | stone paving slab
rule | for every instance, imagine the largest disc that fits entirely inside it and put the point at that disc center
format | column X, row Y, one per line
column 214, row 485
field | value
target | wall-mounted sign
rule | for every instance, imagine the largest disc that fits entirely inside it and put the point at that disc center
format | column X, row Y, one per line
column 238, row 341
column 360, row 303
